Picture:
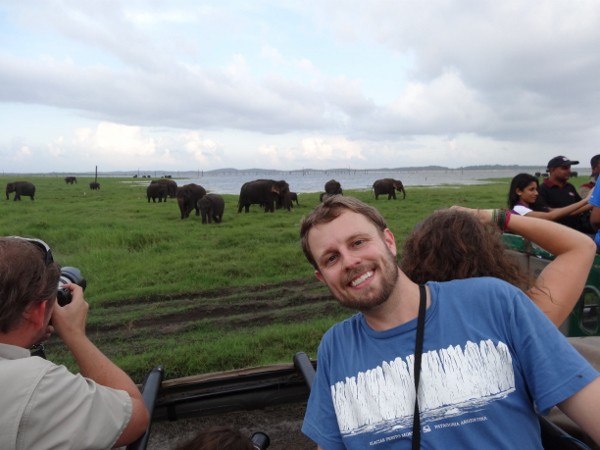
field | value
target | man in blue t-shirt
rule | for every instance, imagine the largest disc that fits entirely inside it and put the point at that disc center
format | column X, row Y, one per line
column 490, row 358
column 595, row 216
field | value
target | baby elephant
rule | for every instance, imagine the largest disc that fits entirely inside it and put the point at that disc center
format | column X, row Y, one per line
column 211, row 207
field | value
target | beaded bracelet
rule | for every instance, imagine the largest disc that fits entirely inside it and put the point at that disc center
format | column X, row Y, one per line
column 501, row 217
column 507, row 216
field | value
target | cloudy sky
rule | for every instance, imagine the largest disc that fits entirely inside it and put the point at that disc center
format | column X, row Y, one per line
column 286, row 84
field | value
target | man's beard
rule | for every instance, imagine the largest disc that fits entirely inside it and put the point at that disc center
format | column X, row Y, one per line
column 371, row 299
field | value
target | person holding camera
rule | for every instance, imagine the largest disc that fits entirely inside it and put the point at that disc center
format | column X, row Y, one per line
column 42, row 404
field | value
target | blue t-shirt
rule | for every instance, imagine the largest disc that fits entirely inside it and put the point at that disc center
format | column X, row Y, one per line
column 489, row 355
column 595, row 201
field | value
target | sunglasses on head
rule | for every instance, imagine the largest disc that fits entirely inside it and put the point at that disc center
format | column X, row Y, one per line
column 44, row 248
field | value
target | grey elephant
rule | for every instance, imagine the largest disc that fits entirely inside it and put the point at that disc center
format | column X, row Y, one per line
column 187, row 198
column 171, row 186
column 94, row 186
column 285, row 199
column 388, row 186
column 211, row 208
column 20, row 188
column 266, row 193
column 294, row 198
column 333, row 187
column 70, row 180
column 157, row 191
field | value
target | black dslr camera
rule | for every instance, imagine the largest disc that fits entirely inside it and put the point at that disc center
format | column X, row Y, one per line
column 68, row 275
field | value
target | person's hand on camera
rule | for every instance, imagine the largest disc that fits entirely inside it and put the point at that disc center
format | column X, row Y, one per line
column 69, row 320
column 48, row 334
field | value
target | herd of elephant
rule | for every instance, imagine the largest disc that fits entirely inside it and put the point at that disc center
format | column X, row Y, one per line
column 268, row 194
column 27, row 188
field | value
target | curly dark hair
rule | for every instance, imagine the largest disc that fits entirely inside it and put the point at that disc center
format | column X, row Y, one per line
column 453, row 244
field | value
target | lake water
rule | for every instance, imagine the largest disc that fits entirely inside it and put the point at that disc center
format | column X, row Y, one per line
column 229, row 182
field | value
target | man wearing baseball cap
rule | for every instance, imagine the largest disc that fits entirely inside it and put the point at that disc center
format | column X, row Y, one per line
column 556, row 192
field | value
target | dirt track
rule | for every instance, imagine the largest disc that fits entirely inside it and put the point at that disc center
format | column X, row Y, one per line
column 230, row 308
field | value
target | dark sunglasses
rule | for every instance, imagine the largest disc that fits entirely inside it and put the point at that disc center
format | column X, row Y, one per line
column 44, row 248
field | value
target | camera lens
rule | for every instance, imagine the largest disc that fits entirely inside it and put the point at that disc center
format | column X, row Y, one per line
column 260, row 440
column 68, row 275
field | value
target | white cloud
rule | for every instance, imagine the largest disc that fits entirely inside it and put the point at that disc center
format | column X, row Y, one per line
column 331, row 149
column 56, row 148
column 331, row 83
column 272, row 55
column 24, row 153
column 444, row 105
column 204, row 150
column 114, row 140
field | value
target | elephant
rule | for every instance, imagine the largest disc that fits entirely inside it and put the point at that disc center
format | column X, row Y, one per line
column 170, row 184
column 70, row 180
column 187, row 198
column 294, row 198
column 20, row 188
column 265, row 193
column 211, row 208
column 157, row 190
column 94, row 186
column 284, row 200
column 333, row 187
column 388, row 186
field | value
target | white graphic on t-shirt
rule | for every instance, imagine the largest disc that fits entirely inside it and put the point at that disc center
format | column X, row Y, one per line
column 454, row 380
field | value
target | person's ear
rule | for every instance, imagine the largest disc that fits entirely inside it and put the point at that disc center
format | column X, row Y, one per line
column 390, row 241
column 519, row 192
column 319, row 276
column 35, row 313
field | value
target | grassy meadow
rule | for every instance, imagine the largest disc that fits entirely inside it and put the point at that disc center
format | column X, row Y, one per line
column 198, row 298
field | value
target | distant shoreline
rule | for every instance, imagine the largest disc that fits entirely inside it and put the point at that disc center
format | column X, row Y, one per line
column 256, row 171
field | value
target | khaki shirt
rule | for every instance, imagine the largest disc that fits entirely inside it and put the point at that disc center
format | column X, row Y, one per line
column 44, row 406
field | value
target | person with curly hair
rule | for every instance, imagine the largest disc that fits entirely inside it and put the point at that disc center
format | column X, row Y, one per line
column 462, row 243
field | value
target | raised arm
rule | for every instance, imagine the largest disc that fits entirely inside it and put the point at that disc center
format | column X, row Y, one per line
column 558, row 213
column 69, row 322
column 558, row 287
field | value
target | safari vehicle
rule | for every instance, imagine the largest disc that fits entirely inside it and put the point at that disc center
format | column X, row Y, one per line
column 584, row 320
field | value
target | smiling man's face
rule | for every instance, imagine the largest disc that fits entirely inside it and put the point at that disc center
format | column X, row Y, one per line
column 355, row 260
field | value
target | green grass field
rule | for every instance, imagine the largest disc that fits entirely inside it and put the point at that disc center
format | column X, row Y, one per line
column 154, row 279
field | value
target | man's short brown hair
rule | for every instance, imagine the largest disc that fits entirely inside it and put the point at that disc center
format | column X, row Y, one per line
column 24, row 279
column 331, row 208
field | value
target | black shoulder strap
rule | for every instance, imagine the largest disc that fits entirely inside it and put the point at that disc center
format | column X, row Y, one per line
column 416, row 436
